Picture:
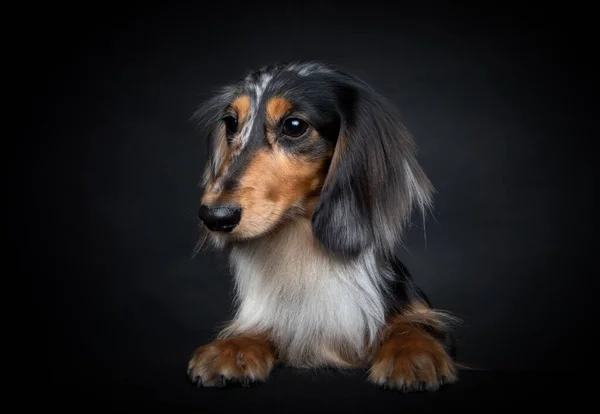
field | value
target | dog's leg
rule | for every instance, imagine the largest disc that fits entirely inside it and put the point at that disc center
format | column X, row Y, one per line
column 412, row 355
column 241, row 359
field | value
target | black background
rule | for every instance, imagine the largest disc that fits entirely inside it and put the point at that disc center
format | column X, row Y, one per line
column 501, row 102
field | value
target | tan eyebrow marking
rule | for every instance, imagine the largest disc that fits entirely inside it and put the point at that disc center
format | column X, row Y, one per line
column 242, row 106
column 277, row 108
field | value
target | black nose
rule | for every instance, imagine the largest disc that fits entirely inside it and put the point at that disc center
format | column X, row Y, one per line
column 220, row 218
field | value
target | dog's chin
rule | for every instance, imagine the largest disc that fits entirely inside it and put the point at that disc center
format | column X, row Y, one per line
column 248, row 232
column 241, row 235
column 235, row 237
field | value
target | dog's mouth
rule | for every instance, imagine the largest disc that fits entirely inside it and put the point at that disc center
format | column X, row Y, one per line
column 242, row 226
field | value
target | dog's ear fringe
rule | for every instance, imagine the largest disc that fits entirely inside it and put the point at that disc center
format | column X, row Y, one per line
column 375, row 182
column 207, row 113
column 206, row 118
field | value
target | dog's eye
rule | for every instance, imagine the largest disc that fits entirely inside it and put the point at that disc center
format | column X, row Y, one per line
column 231, row 124
column 294, row 127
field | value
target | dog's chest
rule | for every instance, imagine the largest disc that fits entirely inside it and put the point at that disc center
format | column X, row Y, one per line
column 319, row 310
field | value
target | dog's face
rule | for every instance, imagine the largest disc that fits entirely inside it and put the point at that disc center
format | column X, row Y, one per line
column 307, row 140
column 272, row 149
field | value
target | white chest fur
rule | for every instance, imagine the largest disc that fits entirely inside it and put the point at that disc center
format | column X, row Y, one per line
column 319, row 310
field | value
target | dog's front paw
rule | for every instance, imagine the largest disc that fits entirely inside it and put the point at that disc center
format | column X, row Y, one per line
column 412, row 362
column 240, row 360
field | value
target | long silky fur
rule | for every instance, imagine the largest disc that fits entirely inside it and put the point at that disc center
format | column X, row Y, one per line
column 323, row 288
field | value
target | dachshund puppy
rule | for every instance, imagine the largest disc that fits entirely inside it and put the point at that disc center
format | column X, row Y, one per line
column 310, row 185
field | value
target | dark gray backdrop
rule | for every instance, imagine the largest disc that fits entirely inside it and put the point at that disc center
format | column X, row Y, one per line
column 500, row 104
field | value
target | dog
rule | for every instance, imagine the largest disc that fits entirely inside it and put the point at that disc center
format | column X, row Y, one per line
column 310, row 184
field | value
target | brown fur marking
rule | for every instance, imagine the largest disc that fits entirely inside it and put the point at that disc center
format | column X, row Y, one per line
column 243, row 358
column 242, row 106
column 409, row 358
column 277, row 107
column 273, row 183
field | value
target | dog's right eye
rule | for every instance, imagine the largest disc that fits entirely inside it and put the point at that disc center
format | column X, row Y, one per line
column 294, row 127
column 231, row 124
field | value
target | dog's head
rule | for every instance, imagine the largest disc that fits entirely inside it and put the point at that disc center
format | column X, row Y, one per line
column 308, row 140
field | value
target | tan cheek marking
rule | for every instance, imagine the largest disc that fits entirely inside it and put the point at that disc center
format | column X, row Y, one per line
column 242, row 106
column 274, row 182
column 256, row 182
column 299, row 178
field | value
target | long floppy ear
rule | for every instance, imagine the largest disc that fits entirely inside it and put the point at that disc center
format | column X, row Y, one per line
column 374, row 182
